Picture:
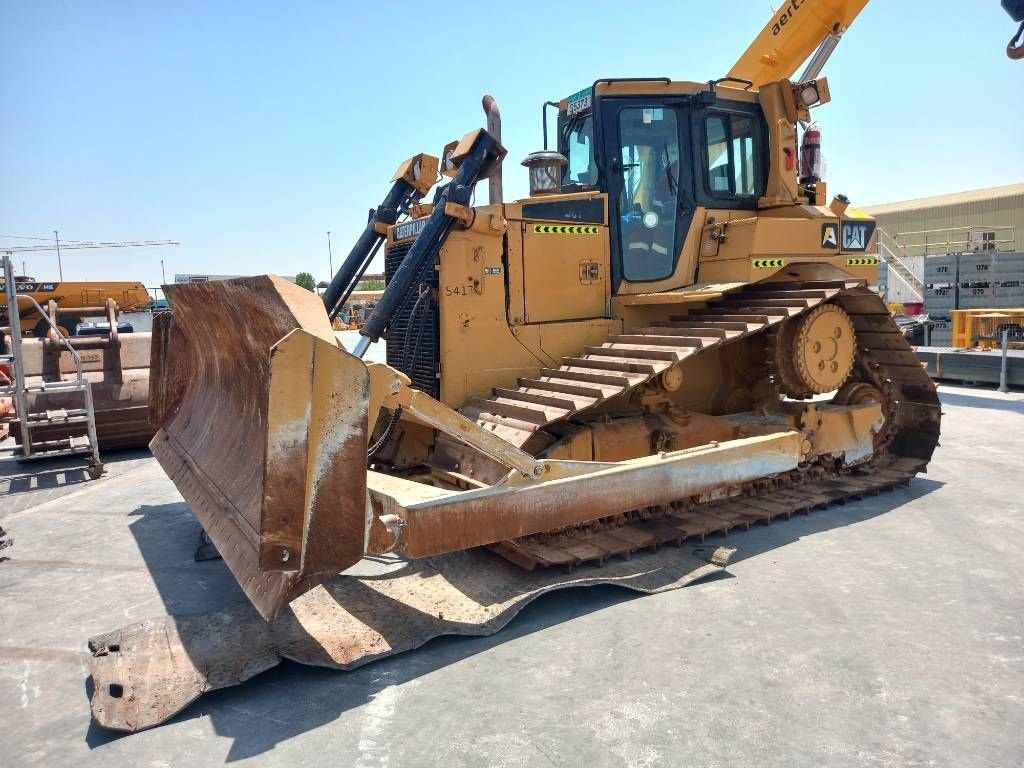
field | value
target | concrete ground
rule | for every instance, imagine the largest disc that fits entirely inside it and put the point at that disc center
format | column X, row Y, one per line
column 889, row 632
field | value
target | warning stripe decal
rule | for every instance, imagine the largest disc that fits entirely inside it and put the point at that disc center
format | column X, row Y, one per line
column 769, row 263
column 863, row 261
column 565, row 229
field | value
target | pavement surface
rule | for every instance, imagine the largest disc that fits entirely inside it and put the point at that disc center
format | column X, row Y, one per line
column 889, row 632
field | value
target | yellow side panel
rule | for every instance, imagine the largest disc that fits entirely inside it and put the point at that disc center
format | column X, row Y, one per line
column 479, row 349
column 565, row 271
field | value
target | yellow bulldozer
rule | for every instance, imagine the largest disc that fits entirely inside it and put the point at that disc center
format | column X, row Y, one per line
column 673, row 335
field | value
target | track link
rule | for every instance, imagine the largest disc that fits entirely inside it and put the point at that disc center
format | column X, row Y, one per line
column 685, row 520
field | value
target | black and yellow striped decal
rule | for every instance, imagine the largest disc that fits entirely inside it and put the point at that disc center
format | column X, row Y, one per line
column 862, row 261
column 769, row 263
column 565, row 229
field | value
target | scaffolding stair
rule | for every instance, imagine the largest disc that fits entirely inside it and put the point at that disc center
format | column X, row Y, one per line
column 74, row 419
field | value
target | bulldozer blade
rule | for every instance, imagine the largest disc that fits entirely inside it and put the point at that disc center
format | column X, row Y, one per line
column 263, row 429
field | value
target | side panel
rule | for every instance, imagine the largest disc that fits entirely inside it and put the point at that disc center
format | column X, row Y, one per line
column 565, row 271
column 485, row 341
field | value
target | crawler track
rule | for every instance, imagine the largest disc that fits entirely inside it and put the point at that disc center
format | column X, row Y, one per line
column 780, row 497
column 625, row 362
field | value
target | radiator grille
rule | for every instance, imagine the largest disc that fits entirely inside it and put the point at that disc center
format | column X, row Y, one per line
column 422, row 366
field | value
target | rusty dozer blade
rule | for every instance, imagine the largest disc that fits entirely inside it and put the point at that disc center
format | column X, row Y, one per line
column 263, row 422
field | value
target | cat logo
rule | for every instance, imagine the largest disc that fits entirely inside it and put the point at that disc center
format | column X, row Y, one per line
column 828, row 236
column 857, row 235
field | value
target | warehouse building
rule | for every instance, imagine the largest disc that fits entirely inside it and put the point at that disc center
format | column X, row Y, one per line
column 957, row 251
column 946, row 223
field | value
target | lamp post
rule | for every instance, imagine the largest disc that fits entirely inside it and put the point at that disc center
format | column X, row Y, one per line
column 330, row 258
column 60, row 267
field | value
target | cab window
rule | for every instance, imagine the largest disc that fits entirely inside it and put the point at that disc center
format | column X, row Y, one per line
column 732, row 155
column 582, row 167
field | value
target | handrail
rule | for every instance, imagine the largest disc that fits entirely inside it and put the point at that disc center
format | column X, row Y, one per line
column 947, row 243
column 61, row 338
column 897, row 266
column 957, row 229
column 915, row 289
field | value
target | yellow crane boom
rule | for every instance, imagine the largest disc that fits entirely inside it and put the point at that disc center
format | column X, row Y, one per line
column 796, row 31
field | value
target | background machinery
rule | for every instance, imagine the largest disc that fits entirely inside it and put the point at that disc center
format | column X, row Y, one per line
column 672, row 335
column 73, row 301
column 46, row 374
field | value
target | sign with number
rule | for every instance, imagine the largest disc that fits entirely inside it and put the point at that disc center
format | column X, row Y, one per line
column 579, row 102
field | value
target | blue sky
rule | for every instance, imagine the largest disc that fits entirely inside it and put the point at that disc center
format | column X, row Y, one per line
column 246, row 130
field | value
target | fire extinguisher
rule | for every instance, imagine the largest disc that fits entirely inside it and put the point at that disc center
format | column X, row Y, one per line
column 810, row 155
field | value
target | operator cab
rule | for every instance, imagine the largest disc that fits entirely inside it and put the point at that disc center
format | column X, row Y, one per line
column 660, row 150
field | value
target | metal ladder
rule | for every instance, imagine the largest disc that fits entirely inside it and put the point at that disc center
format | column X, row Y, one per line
column 31, row 448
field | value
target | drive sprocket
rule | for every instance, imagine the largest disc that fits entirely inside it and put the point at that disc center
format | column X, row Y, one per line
column 815, row 352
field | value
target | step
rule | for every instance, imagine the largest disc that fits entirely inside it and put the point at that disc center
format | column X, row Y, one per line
column 762, row 302
column 52, row 453
column 727, row 328
column 631, row 352
column 625, row 366
column 769, row 293
column 758, row 319
column 684, row 333
column 509, row 410
column 541, row 399
column 513, row 433
column 593, row 377
column 33, row 423
column 776, row 312
column 565, row 387
column 57, row 386
column 58, row 414
column 657, row 340
column 62, row 447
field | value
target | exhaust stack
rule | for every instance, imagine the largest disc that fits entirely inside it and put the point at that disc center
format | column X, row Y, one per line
column 494, row 186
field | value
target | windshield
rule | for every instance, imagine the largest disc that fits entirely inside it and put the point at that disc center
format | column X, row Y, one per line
column 578, row 143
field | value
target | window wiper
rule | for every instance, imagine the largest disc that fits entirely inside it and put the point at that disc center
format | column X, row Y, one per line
column 673, row 183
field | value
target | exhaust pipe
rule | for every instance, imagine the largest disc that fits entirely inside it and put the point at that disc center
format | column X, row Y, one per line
column 494, row 191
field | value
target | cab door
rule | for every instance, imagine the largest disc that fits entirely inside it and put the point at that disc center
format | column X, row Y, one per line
column 650, row 185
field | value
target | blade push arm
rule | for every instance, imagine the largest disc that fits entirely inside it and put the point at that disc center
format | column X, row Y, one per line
column 797, row 30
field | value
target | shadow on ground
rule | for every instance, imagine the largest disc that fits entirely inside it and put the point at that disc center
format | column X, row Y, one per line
column 291, row 699
column 18, row 476
column 980, row 401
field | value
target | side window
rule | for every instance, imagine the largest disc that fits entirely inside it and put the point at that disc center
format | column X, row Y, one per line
column 582, row 168
column 718, row 154
column 732, row 155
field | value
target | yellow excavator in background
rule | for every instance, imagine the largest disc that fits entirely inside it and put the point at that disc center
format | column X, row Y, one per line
column 672, row 335
column 89, row 298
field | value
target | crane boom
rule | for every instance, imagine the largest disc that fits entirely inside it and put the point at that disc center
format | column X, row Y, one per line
column 795, row 31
